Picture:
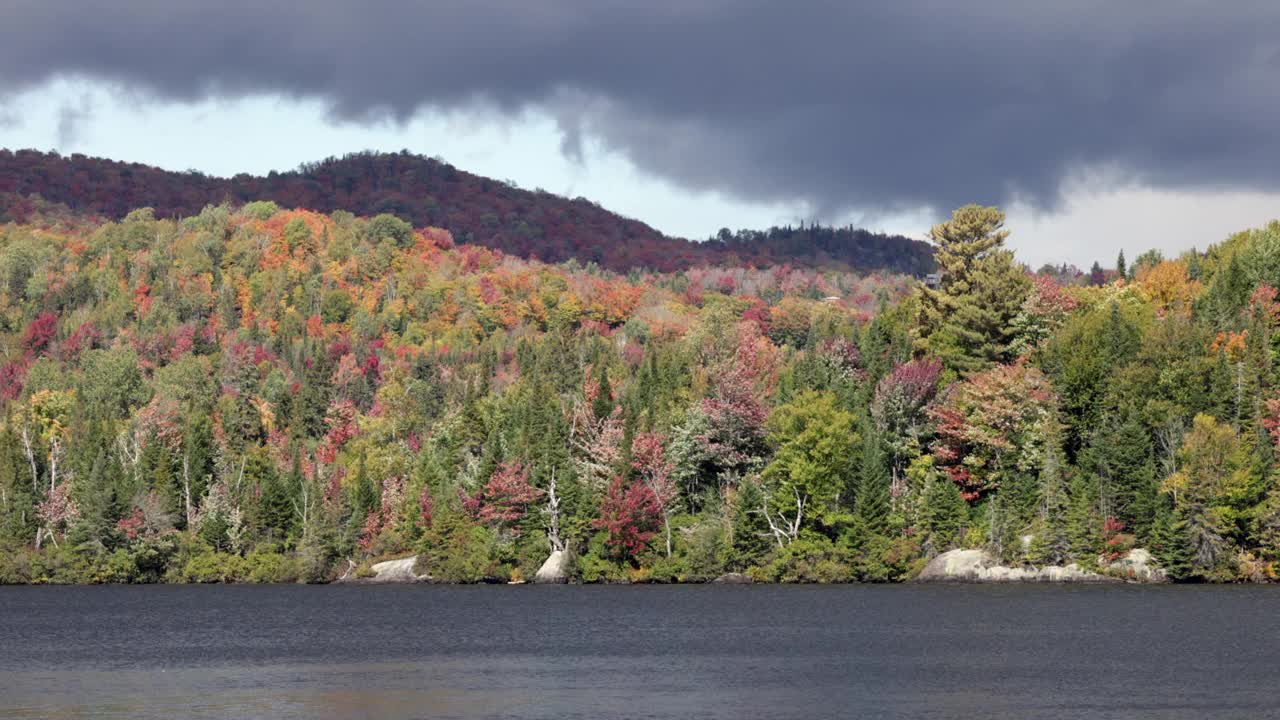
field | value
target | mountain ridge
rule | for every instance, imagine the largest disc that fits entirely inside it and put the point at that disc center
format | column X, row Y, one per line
column 428, row 192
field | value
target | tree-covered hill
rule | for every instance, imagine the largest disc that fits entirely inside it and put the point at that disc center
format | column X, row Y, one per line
column 259, row 394
column 428, row 192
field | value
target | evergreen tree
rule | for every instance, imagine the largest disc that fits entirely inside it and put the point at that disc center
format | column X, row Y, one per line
column 752, row 539
column 1051, row 543
column 1120, row 453
column 1121, row 270
column 364, row 493
column 968, row 320
column 945, row 513
column 1097, row 276
column 1083, row 523
column 1171, row 543
column 871, row 500
column 314, row 395
column 275, row 512
column 602, row 405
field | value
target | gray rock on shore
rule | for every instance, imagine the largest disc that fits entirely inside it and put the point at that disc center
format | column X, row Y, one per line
column 1138, row 565
column 389, row 571
column 555, row 570
column 979, row 566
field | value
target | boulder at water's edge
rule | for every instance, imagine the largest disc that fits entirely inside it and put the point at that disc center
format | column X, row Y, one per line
column 555, row 570
column 396, row 571
column 979, row 566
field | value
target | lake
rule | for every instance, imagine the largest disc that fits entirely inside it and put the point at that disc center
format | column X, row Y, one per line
column 924, row 651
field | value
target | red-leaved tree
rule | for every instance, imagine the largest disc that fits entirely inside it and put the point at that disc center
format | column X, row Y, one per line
column 991, row 425
column 899, row 412
column 631, row 515
column 649, row 459
column 505, row 499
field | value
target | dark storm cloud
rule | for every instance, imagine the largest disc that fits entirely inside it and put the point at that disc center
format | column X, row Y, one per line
column 889, row 105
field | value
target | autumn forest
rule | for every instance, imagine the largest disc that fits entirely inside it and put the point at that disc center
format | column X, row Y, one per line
column 290, row 379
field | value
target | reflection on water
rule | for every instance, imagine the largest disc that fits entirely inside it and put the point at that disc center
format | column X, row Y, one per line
column 658, row 652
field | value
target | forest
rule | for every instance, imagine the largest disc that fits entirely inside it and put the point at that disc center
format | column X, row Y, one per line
column 256, row 394
column 428, row 192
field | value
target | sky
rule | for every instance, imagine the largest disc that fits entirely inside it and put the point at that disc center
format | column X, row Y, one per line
column 1098, row 126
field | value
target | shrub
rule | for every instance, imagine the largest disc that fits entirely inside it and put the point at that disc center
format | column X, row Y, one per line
column 213, row 567
column 810, row 559
column 272, row 567
column 598, row 564
column 456, row 549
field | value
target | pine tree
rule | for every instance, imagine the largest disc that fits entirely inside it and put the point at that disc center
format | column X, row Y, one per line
column 1120, row 452
column 968, row 320
column 314, row 395
column 945, row 513
column 602, row 405
column 1171, row 543
column 364, row 494
column 1083, row 523
column 276, row 516
column 871, row 501
column 752, row 539
column 1121, row 339
column 1052, row 542
column 1229, row 293
column 1097, row 276
column 1121, row 270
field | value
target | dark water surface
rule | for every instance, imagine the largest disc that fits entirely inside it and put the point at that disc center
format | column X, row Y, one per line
column 639, row 652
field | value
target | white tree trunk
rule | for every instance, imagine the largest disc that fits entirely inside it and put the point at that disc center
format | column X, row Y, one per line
column 553, row 515
column 31, row 460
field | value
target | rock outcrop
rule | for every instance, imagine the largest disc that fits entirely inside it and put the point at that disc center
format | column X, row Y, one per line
column 1137, row 565
column 733, row 579
column 981, row 567
column 555, row 570
column 390, row 571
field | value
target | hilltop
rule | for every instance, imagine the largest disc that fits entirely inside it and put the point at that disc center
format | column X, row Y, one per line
column 429, row 192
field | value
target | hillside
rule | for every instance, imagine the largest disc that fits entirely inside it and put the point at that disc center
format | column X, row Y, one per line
column 261, row 394
column 431, row 193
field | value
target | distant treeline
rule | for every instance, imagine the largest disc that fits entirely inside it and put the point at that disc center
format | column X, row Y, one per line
column 431, row 193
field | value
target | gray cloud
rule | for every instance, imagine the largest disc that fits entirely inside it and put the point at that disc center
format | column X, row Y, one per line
column 877, row 108
column 70, row 118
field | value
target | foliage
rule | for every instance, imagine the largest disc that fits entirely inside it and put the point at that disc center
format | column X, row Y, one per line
column 425, row 191
column 265, row 394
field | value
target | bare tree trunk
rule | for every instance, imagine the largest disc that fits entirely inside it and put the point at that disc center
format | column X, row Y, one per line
column 784, row 527
column 186, row 487
column 55, row 452
column 31, row 459
column 1239, row 394
column 553, row 515
column 666, row 522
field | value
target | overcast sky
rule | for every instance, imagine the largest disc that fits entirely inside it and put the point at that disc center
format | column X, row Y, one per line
column 1098, row 125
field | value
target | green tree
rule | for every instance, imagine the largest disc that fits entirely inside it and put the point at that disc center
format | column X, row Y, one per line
column 1213, row 488
column 945, row 514
column 1084, row 525
column 1051, row 542
column 1171, row 543
column 968, row 320
column 871, row 498
column 751, row 539
column 813, row 444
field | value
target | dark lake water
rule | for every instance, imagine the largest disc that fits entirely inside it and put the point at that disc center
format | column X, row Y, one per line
column 639, row 652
